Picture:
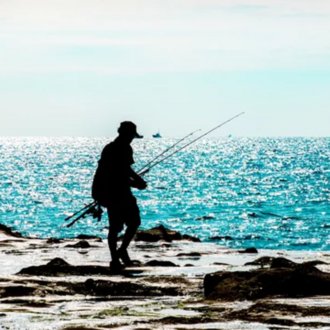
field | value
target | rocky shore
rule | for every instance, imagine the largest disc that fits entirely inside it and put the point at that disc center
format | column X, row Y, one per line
column 180, row 283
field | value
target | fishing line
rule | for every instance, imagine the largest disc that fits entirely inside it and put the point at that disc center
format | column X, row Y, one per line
column 95, row 209
column 166, row 150
column 190, row 143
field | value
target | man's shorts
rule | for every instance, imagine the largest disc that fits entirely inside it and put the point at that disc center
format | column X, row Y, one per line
column 123, row 212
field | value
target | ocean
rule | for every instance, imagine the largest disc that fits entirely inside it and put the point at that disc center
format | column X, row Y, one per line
column 269, row 193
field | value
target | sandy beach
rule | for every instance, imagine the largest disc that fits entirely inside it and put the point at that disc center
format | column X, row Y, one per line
column 66, row 284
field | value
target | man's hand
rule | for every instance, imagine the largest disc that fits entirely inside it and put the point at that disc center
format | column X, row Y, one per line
column 138, row 183
column 141, row 184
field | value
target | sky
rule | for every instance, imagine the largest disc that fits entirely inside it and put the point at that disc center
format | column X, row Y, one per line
column 80, row 67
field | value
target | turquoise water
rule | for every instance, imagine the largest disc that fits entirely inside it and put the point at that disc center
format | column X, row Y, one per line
column 263, row 192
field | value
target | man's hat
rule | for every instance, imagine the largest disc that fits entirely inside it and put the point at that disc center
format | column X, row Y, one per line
column 127, row 127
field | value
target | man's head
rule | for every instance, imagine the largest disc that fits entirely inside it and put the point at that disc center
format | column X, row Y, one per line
column 128, row 129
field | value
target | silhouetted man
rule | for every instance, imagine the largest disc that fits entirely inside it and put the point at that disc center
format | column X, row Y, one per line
column 112, row 184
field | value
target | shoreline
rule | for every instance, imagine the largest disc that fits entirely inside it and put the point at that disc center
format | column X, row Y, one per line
column 166, row 291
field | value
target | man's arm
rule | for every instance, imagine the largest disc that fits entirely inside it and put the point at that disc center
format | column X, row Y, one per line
column 136, row 180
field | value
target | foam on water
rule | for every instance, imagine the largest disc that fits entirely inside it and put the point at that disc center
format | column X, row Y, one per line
column 262, row 192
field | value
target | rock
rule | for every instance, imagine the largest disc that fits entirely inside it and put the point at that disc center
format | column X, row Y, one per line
column 282, row 263
column 59, row 267
column 125, row 288
column 284, row 322
column 251, row 237
column 161, row 233
column 6, row 244
column 53, row 241
column 16, row 291
column 297, row 280
column 8, row 231
column 190, row 238
column 190, row 254
column 249, row 250
column 88, row 237
column 89, row 287
column 156, row 234
column 206, row 217
column 160, row 263
column 220, row 238
column 193, row 320
column 314, row 263
column 220, row 264
column 58, row 262
column 263, row 261
column 253, row 215
column 79, row 245
column 269, row 312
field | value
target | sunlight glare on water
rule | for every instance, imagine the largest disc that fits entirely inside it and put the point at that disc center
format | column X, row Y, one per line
column 262, row 192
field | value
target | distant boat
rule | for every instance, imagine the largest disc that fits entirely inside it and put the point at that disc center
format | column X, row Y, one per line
column 156, row 135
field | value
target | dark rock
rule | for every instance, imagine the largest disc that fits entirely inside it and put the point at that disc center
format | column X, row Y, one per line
column 59, row 267
column 251, row 237
column 53, row 241
column 161, row 233
column 88, row 237
column 7, row 244
column 314, row 263
column 58, row 262
column 113, row 288
column 78, row 327
column 282, row 263
column 166, row 245
column 206, row 217
column 298, row 280
column 90, row 287
column 274, row 313
column 36, row 304
column 263, row 261
column 8, row 231
column 156, row 234
column 160, row 263
column 190, row 238
column 277, row 321
column 253, row 215
column 220, row 238
column 249, row 250
column 185, row 320
column 191, row 254
column 80, row 245
column 16, row 291
column 220, row 264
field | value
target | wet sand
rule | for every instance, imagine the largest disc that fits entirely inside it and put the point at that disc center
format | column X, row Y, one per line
column 70, row 287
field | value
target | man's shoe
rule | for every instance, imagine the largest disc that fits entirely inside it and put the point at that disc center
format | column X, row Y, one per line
column 116, row 267
column 124, row 257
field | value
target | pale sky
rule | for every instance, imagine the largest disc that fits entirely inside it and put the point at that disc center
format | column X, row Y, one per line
column 79, row 67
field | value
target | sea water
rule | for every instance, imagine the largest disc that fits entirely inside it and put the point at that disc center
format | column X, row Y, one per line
column 240, row 192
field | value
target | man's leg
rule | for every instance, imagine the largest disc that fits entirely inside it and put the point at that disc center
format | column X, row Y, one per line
column 112, row 242
column 133, row 222
column 128, row 236
column 114, row 228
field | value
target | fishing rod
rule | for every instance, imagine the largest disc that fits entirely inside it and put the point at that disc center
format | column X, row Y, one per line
column 95, row 209
column 74, row 214
column 90, row 208
column 165, row 151
column 190, row 143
